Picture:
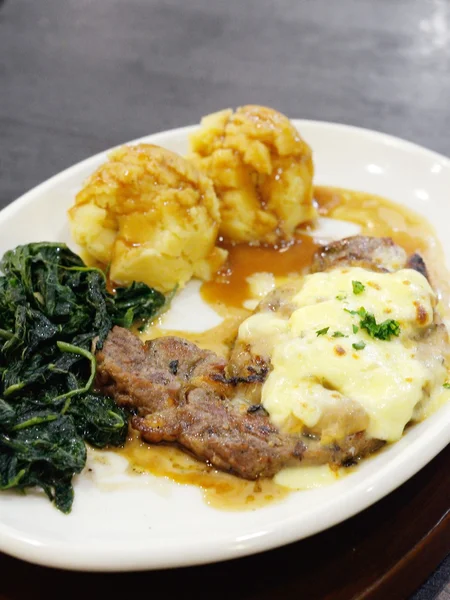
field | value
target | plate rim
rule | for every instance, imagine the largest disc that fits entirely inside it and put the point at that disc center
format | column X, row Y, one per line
column 49, row 554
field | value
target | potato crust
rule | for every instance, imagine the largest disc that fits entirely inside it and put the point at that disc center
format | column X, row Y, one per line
column 151, row 216
column 261, row 169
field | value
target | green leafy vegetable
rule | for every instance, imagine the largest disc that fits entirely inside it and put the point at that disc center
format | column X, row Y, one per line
column 341, row 297
column 359, row 345
column 135, row 303
column 355, row 328
column 53, row 310
column 446, row 385
column 322, row 331
column 358, row 287
column 337, row 334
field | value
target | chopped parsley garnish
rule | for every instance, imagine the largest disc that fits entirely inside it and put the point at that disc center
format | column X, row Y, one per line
column 359, row 345
column 358, row 287
column 322, row 331
column 355, row 328
column 338, row 334
column 447, row 385
column 341, row 296
column 361, row 311
column 381, row 331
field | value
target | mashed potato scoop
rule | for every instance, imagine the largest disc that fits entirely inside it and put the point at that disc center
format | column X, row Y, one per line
column 262, row 172
column 151, row 216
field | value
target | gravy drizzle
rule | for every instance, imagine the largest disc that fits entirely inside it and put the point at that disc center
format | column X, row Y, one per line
column 220, row 490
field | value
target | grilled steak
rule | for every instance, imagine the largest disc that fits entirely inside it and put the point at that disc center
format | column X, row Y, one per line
column 190, row 401
column 210, row 407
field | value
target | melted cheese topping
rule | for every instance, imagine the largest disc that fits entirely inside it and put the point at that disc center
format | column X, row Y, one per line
column 261, row 283
column 307, row 478
column 315, row 375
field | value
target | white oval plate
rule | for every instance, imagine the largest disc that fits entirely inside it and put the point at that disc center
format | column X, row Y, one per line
column 121, row 522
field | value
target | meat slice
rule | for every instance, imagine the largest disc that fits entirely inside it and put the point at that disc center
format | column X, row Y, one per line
column 223, row 435
column 150, row 377
column 377, row 254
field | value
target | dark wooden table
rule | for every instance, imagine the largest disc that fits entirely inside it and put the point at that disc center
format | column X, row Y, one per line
column 78, row 76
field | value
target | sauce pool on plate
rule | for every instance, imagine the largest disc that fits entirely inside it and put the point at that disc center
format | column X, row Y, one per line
column 220, row 490
column 231, row 286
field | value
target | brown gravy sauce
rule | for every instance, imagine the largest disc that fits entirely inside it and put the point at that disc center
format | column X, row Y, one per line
column 377, row 217
column 220, row 490
column 230, row 288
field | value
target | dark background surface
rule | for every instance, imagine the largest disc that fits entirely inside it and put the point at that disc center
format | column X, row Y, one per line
column 78, row 76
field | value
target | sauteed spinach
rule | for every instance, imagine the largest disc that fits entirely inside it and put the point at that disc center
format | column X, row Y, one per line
column 52, row 309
